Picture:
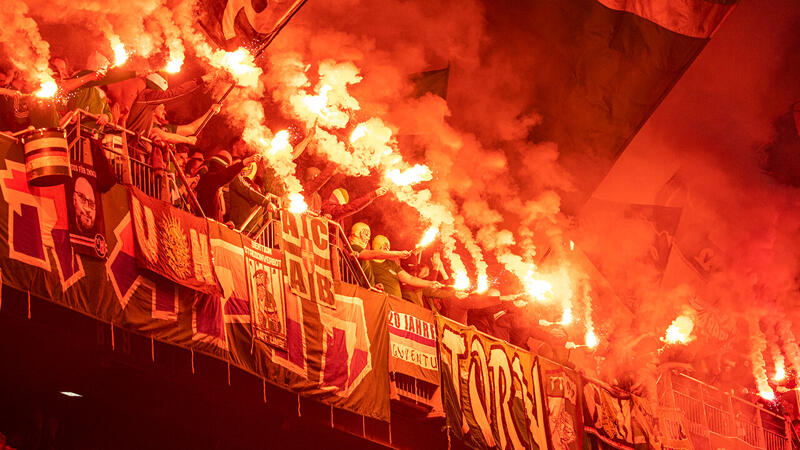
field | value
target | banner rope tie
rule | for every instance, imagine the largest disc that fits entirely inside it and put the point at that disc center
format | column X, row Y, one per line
column 299, row 414
column 228, row 361
column 448, row 437
column 264, row 386
column 152, row 349
column 363, row 426
column 113, row 344
column 29, row 305
column 191, row 350
column 332, row 416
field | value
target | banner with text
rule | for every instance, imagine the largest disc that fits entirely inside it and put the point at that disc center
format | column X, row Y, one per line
column 266, row 289
column 492, row 391
column 308, row 257
column 172, row 243
column 412, row 341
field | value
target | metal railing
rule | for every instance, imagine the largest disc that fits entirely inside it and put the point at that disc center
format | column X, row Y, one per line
column 709, row 412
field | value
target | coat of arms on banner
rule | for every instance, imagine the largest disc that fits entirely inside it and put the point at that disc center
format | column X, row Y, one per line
column 267, row 296
column 86, row 227
column 308, row 257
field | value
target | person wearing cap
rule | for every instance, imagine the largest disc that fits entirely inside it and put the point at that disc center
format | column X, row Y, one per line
column 153, row 92
column 244, row 197
column 359, row 241
column 220, row 171
column 390, row 274
column 338, row 206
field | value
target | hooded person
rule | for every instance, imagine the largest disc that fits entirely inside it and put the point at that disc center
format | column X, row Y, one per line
column 171, row 133
column 338, row 206
column 389, row 274
column 359, row 241
column 218, row 171
column 244, row 197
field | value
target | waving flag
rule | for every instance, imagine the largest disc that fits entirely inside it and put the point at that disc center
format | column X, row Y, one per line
column 245, row 23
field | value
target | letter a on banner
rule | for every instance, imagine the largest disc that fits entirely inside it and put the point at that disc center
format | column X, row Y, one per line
column 308, row 257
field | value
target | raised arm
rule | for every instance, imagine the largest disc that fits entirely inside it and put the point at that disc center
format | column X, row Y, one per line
column 411, row 280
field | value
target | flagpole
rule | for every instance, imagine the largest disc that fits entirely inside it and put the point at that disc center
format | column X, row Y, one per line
column 271, row 37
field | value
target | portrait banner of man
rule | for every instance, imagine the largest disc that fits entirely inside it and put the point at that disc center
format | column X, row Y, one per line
column 266, row 289
column 85, row 208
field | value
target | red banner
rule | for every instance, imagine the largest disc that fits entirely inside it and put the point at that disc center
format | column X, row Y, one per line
column 412, row 341
column 172, row 243
column 308, row 257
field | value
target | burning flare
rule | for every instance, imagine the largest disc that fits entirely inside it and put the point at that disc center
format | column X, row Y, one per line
column 174, row 65
column 428, row 237
column 461, row 281
column 120, row 54
column 48, row 89
column 280, row 142
column 410, row 176
column 680, row 331
column 297, row 204
column 483, row 284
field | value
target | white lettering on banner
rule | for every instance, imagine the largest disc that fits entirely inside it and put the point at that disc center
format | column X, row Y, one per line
column 145, row 225
column 492, row 386
column 413, row 356
column 478, row 368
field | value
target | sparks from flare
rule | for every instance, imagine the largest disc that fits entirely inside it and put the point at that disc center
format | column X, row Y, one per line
column 483, row 284
column 538, row 289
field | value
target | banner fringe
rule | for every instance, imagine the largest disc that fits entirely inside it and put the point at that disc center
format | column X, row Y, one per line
column 113, row 344
column 363, row 426
column 331, row 406
column 390, row 433
column 264, row 386
column 29, row 305
column 152, row 349
column 191, row 350
column 299, row 414
column 228, row 361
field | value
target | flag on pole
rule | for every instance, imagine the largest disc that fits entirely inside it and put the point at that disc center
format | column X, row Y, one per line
column 245, row 23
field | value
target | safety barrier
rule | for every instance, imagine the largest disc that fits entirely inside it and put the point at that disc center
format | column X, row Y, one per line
column 711, row 414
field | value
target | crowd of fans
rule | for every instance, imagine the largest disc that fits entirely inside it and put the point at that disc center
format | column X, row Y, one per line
column 236, row 187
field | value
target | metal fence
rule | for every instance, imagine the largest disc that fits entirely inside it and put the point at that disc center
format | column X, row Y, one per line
column 711, row 415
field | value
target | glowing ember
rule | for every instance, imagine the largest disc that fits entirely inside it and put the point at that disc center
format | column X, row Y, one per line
column 571, row 245
column 280, row 142
column 590, row 339
column 359, row 132
column 297, row 204
column 48, row 89
column 566, row 316
column 680, row 331
column 428, row 237
column 120, row 54
column 461, row 281
column 483, row 284
column 409, row 176
column 174, row 65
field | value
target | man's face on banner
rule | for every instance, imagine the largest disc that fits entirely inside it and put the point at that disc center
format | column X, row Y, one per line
column 84, row 203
